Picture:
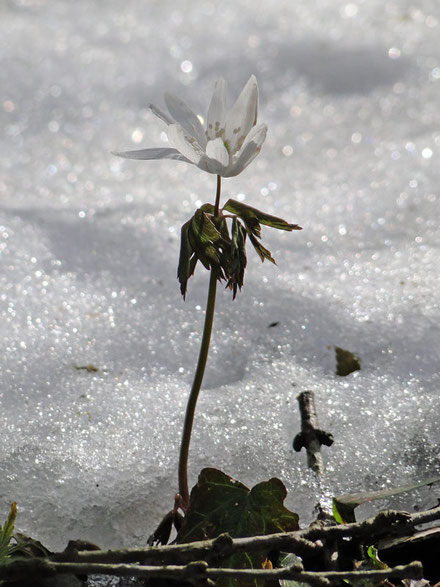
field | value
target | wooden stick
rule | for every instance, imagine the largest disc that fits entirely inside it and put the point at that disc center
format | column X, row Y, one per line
column 311, row 436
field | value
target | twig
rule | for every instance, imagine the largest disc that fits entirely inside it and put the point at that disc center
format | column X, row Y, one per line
column 299, row 542
column 222, row 546
column 426, row 516
column 199, row 573
column 413, row 570
column 311, row 436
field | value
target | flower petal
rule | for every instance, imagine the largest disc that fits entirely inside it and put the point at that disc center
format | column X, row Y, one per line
column 161, row 115
column 216, row 150
column 215, row 122
column 254, row 132
column 242, row 116
column 147, row 154
column 186, row 118
column 188, row 146
column 249, row 151
column 211, row 165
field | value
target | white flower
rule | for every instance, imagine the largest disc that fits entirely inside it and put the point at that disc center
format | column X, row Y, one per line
column 230, row 141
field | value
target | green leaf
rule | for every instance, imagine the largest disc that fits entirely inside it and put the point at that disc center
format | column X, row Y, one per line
column 237, row 257
column 376, row 563
column 203, row 228
column 201, row 241
column 252, row 214
column 251, row 218
column 220, row 504
column 208, row 208
column 262, row 251
column 344, row 505
column 205, row 240
column 6, row 532
column 184, row 268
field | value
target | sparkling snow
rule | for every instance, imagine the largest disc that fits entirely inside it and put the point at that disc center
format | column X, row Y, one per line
column 89, row 246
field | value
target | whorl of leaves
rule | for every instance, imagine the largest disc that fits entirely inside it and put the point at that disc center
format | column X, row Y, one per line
column 206, row 238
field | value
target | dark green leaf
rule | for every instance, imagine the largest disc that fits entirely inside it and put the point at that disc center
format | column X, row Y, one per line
column 201, row 241
column 244, row 211
column 203, row 228
column 247, row 215
column 208, row 208
column 262, row 251
column 237, row 258
column 344, row 505
column 184, row 268
column 205, row 240
column 220, row 504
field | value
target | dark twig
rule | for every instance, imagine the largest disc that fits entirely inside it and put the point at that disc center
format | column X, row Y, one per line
column 308, row 540
column 198, row 572
column 311, row 436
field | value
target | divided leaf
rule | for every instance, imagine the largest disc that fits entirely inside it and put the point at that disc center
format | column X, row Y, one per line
column 220, row 504
column 253, row 217
column 184, row 267
column 237, row 257
column 199, row 240
column 263, row 253
column 206, row 238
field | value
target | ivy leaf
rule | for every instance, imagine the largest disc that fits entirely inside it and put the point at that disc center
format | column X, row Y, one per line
column 344, row 505
column 220, row 504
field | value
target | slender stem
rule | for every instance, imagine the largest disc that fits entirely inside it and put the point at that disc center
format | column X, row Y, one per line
column 217, row 195
column 198, row 377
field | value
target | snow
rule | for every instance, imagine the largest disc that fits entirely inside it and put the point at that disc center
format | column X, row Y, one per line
column 89, row 246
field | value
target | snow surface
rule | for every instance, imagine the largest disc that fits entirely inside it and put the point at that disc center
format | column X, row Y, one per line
column 89, row 246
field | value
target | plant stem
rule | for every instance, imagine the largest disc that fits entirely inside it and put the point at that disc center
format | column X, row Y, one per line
column 198, row 377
